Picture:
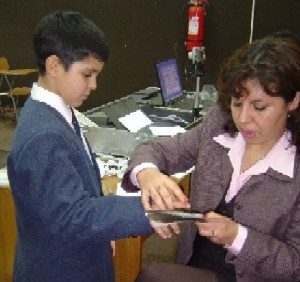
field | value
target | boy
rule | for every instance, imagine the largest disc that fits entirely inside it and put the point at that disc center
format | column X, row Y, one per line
column 64, row 224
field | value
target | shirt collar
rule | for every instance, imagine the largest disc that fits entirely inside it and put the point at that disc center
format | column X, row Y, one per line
column 280, row 157
column 41, row 94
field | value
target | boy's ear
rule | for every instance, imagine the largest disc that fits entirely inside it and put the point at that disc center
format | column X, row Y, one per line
column 52, row 65
column 293, row 105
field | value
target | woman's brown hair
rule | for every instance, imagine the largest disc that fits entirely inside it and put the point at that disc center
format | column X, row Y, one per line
column 274, row 63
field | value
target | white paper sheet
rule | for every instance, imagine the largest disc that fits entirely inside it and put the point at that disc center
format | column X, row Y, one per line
column 166, row 131
column 135, row 121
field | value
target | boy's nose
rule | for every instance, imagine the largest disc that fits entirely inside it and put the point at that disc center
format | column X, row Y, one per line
column 93, row 83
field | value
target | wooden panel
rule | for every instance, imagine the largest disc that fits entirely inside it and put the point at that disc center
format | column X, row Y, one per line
column 128, row 258
column 7, row 235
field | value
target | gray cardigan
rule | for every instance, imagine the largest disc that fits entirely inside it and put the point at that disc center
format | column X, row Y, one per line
column 64, row 225
column 268, row 204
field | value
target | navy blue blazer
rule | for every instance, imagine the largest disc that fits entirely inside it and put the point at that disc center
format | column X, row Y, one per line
column 64, row 225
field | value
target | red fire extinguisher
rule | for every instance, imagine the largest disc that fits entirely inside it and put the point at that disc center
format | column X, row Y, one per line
column 195, row 33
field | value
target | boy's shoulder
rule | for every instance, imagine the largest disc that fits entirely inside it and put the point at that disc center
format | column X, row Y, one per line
column 37, row 119
column 37, row 112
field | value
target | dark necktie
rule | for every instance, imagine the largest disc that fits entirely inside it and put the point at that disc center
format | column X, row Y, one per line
column 75, row 124
column 78, row 132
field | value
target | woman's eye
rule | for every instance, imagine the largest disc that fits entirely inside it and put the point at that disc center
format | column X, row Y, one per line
column 237, row 104
column 260, row 108
column 87, row 75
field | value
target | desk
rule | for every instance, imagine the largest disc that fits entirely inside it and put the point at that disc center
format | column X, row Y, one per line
column 17, row 72
column 6, row 73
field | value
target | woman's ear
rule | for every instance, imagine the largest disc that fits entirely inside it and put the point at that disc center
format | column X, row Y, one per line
column 52, row 65
column 293, row 105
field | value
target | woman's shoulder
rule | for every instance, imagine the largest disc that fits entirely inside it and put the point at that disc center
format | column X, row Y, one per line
column 215, row 120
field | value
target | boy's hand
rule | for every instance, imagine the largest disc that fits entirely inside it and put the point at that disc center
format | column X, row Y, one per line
column 160, row 190
column 165, row 231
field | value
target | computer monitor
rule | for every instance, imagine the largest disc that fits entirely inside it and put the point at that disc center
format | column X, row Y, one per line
column 169, row 79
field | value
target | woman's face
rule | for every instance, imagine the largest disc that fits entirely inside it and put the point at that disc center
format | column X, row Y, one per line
column 260, row 118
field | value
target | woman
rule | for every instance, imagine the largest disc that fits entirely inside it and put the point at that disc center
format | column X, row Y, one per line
column 246, row 158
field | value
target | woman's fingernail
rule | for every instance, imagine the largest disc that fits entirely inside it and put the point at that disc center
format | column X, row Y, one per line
column 186, row 201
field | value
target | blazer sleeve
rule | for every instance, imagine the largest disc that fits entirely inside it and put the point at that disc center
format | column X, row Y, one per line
column 47, row 185
column 271, row 258
column 178, row 153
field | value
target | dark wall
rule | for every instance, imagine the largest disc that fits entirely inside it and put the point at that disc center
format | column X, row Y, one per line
column 142, row 31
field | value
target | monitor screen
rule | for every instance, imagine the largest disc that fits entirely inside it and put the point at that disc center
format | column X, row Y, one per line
column 169, row 79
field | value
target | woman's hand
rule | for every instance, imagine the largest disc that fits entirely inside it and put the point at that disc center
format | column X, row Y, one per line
column 160, row 190
column 218, row 228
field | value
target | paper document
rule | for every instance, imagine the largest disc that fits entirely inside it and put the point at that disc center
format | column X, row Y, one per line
column 166, row 131
column 135, row 121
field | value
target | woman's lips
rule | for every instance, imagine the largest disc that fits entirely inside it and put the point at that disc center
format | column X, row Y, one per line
column 248, row 133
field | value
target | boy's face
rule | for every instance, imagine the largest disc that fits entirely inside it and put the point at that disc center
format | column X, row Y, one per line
column 75, row 84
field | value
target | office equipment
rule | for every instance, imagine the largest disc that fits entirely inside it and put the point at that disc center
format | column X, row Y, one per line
column 159, row 116
column 119, row 108
column 150, row 96
column 169, row 80
column 110, row 141
column 177, row 116
column 170, row 84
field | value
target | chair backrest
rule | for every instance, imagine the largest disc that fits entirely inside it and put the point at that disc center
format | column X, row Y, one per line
column 4, row 63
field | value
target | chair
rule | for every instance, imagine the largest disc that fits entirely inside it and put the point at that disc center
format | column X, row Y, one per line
column 13, row 92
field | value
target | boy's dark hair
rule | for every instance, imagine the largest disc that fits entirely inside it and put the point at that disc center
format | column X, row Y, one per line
column 274, row 62
column 71, row 37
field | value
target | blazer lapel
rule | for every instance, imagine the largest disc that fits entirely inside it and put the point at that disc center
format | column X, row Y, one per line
column 227, row 170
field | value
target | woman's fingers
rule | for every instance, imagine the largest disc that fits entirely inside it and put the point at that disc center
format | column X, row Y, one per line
column 218, row 228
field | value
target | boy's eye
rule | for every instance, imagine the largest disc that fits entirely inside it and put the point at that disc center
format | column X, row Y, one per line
column 87, row 75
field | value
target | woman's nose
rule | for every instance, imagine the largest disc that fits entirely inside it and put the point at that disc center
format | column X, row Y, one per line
column 245, row 114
